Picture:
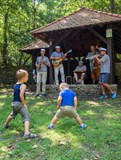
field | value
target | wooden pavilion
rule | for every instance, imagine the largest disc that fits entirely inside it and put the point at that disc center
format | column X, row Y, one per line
column 78, row 31
column 34, row 50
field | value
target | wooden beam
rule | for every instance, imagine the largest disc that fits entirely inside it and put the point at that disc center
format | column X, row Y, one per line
column 62, row 37
column 66, row 46
column 117, row 28
column 51, row 78
column 97, row 34
column 110, row 52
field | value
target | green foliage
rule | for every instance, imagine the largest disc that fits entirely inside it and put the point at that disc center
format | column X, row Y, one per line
column 100, row 140
column 25, row 15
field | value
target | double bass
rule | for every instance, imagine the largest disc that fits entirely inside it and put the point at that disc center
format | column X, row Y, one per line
column 95, row 74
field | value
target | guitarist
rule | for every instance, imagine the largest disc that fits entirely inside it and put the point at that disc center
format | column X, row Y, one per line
column 42, row 62
column 57, row 55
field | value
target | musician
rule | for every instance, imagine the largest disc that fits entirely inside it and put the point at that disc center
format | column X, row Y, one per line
column 56, row 55
column 42, row 62
column 90, row 54
column 105, row 73
column 80, row 70
column 94, row 67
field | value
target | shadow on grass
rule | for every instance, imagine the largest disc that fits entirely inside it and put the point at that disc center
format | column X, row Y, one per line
column 101, row 137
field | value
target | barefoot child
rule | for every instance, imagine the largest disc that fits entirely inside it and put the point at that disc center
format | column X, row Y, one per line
column 19, row 104
column 67, row 104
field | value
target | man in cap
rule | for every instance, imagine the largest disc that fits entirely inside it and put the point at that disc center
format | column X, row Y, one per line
column 56, row 55
column 80, row 70
column 90, row 55
column 42, row 62
column 104, row 73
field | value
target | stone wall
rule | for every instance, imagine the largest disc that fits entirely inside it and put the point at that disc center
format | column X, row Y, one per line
column 118, row 72
column 8, row 74
column 81, row 91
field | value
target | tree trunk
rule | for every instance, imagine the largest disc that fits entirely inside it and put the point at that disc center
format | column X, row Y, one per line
column 5, row 40
column 112, row 6
column 34, row 15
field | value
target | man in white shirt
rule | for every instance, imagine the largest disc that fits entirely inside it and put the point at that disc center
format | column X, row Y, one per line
column 42, row 62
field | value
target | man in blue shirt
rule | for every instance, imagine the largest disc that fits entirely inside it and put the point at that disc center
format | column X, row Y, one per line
column 66, row 104
column 56, row 55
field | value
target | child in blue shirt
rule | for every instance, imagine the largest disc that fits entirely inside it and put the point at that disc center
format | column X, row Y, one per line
column 19, row 103
column 66, row 104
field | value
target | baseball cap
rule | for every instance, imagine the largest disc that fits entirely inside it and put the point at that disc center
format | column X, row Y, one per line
column 57, row 47
column 42, row 50
column 102, row 49
column 80, row 62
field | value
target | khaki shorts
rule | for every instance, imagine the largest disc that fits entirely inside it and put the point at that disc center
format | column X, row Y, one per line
column 17, row 107
column 66, row 111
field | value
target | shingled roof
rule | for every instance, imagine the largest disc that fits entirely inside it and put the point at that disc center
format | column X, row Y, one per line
column 35, row 45
column 81, row 18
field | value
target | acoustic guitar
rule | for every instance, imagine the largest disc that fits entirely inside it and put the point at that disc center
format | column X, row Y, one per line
column 57, row 62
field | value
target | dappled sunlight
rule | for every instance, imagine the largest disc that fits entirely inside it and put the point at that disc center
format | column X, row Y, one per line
column 40, row 103
column 93, row 103
column 90, row 112
column 57, row 138
column 112, row 116
column 1, row 104
column 11, row 133
column 107, row 104
column 3, row 96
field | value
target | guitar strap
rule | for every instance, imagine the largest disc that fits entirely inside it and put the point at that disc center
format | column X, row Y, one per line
column 40, row 63
column 42, row 59
column 61, row 57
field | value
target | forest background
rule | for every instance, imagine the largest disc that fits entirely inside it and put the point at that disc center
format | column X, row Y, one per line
column 19, row 17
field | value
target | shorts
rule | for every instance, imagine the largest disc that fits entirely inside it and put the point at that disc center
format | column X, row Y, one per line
column 79, row 75
column 66, row 111
column 19, row 108
column 104, row 78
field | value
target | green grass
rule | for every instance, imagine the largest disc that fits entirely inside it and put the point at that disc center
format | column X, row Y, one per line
column 101, row 140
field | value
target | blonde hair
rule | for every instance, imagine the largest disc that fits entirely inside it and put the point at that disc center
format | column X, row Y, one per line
column 20, row 74
column 63, row 86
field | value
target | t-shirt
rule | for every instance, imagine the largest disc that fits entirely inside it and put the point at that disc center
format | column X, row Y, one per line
column 81, row 68
column 67, row 97
column 16, row 95
column 43, row 67
column 105, row 64
column 57, row 54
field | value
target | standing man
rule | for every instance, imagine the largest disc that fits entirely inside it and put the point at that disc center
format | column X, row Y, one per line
column 58, row 56
column 90, row 54
column 42, row 63
column 104, row 73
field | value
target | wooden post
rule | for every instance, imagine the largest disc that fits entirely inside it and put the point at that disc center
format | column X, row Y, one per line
column 110, row 52
column 33, row 61
column 66, row 46
column 50, row 68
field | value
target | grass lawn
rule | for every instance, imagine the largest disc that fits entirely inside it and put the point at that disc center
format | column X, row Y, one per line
column 101, row 140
